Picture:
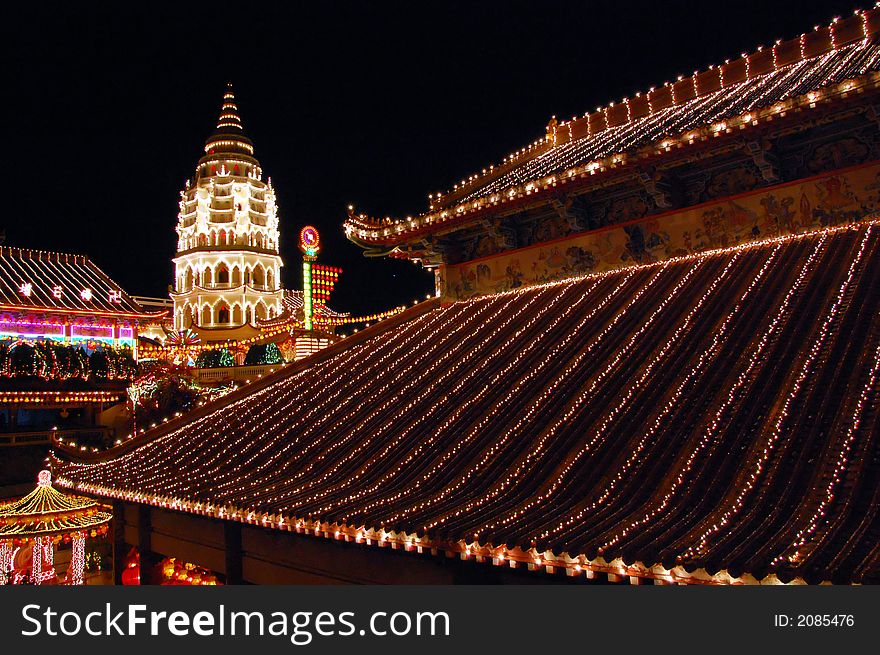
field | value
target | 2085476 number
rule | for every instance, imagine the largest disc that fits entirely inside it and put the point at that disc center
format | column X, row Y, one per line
column 814, row 620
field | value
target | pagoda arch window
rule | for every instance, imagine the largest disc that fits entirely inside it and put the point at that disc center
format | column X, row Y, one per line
column 247, row 276
column 259, row 277
column 248, row 314
column 206, row 315
column 236, row 314
column 207, row 278
column 223, row 314
column 188, row 279
column 203, row 240
column 222, row 274
column 236, row 276
column 270, row 279
column 259, row 241
column 261, row 311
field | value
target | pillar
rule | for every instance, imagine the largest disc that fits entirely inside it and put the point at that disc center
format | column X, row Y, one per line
column 5, row 562
column 149, row 559
column 233, row 554
column 77, row 559
column 119, row 547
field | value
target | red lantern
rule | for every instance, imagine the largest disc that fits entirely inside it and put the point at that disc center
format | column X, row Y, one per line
column 131, row 576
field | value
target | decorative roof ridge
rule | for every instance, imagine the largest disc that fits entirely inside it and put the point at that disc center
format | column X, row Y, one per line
column 47, row 255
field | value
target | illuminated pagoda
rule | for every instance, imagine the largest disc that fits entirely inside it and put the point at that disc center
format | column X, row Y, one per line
column 31, row 527
column 227, row 274
column 655, row 358
column 68, row 339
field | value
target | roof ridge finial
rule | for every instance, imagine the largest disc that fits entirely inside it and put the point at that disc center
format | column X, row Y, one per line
column 229, row 118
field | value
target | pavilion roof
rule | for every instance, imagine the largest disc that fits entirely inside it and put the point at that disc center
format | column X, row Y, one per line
column 37, row 280
column 46, row 511
column 292, row 311
column 820, row 67
column 707, row 418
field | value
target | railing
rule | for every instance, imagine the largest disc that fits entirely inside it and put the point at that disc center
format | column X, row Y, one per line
column 234, row 373
column 98, row 434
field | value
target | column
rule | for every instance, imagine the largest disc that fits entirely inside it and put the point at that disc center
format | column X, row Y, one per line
column 149, row 559
column 119, row 546
column 77, row 559
column 232, row 547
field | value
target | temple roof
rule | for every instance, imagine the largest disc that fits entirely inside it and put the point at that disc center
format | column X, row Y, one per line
column 45, row 511
column 36, row 280
column 731, row 101
column 710, row 417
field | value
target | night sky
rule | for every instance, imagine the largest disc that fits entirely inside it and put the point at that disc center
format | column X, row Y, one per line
column 107, row 109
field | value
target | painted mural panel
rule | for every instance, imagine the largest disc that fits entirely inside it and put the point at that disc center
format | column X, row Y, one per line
column 833, row 199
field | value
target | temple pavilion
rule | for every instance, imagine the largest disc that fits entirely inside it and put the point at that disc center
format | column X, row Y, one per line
column 32, row 527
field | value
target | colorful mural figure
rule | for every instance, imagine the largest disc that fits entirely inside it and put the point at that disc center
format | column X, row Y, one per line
column 787, row 209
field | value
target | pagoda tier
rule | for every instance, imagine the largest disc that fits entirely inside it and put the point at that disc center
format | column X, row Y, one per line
column 227, row 268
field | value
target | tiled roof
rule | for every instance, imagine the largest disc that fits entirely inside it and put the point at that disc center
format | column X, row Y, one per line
column 756, row 93
column 745, row 93
column 715, row 413
column 38, row 280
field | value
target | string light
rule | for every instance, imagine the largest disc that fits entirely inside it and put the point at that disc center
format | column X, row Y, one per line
column 607, row 421
column 735, row 505
column 841, row 465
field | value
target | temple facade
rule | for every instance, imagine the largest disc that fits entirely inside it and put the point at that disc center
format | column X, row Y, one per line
column 227, row 273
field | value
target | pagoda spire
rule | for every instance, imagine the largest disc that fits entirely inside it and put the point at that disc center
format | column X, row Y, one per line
column 229, row 118
column 229, row 137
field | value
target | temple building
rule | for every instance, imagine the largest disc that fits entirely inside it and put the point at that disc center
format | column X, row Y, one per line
column 68, row 346
column 654, row 358
column 227, row 268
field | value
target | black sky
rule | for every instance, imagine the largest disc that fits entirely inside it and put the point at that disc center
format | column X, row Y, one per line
column 377, row 104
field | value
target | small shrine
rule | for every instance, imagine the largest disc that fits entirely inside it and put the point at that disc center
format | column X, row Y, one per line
column 31, row 528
